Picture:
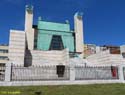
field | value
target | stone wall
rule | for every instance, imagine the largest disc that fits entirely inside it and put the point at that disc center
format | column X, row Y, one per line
column 104, row 57
column 38, row 57
column 17, row 47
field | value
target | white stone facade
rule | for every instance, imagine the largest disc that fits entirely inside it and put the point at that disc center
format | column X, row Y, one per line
column 105, row 58
column 21, row 45
column 17, row 47
column 122, row 48
column 28, row 27
column 38, row 57
column 79, row 33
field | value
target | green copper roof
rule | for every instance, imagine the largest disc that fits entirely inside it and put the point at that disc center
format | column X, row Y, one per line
column 53, row 26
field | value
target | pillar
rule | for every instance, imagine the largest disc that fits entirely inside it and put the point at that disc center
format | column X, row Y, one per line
column 79, row 33
column 28, row 27
column 72, row 72
column 120, row 73
column 8, row 72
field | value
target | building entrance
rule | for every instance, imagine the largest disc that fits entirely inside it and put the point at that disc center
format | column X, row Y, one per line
column 56, row 43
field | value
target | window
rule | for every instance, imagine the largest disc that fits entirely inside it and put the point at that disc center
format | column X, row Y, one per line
column 123, row 54
column 2, row 64
column 3, row 51
column 3, row 57
column 56, row 43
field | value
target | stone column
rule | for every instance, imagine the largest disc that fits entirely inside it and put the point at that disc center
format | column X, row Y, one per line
column 72, row 72
column 8, row 72
column 28, row 27
column 67, row 55
column 120, row 73
column 79, row 38
column 28, row 18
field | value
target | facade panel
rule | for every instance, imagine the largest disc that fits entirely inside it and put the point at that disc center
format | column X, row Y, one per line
column 53, row 26
column 17, row 47
column 46, row 32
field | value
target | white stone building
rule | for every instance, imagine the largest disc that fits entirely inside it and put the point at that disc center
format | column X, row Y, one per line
column 22, row 49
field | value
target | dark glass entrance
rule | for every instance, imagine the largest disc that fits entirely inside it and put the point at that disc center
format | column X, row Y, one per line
column 56, row 43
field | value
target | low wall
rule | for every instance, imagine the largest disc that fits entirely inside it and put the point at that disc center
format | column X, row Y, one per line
column 47, row 75
column 37, row 73
column 35, row 83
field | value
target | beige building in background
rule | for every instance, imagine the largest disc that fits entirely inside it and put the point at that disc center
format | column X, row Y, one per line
column 89, row 49
column 3, row 54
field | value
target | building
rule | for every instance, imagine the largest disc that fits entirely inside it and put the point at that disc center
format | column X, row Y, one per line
column 108, row 54
column 122, row 50
column 111, row 48
column 89, row 49
column 55, row 43
column 46, row 42
column 3, row 54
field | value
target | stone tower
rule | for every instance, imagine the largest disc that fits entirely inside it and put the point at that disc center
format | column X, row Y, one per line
column 28, row 27
column 79, row 33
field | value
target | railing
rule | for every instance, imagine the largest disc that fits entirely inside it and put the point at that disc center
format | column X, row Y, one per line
column 96, row 73
column 41, row 73
column 124, row 73
column 2, row 73
column 37, row 73
column 48, row 74
column 71, row 73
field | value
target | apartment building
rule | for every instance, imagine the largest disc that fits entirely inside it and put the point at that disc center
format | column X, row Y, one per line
column 3, row 54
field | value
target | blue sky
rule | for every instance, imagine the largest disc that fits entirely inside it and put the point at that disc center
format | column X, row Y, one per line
column 104, row 20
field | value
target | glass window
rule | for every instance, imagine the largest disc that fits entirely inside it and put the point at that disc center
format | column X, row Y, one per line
column 56, row 43
column 3, row 51
column 3, row 57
